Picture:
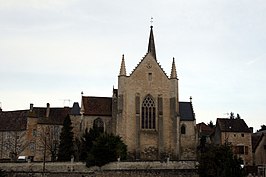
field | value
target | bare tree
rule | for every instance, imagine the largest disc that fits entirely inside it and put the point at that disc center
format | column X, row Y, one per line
column 49, row 136
column 14, row 143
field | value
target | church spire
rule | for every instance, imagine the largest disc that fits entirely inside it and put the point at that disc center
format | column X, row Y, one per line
column 173, row 70
column 123, row 67
column 151, row 46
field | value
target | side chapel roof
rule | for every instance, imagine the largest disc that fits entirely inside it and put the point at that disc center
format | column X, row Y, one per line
column 186, row 111
column 97, row 106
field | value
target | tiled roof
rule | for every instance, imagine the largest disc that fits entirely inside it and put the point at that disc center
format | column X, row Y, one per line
column 204, row 129
column 101, row 106
column 56, row 115
column 13, row 120
column 186, row 111
column 232, row 125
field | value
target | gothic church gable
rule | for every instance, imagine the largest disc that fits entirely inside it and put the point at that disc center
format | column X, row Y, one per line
column 148, row 74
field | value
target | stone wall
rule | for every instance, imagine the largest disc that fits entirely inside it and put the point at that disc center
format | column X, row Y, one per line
column 240, row 139
column 115, row 169
column 188, row 141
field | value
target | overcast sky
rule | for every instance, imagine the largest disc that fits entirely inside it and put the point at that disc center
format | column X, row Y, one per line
column 51, row 50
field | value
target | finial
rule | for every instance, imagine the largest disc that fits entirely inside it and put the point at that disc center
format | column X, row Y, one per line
column 190, row 99
column 151, row 21
column 81, row 93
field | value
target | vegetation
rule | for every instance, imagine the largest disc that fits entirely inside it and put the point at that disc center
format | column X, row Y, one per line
column 15, row 143
column 2, row 173
column 211, row 124
column 218, row 161
column 49, row 140
column 232, row 116
column 87, row 142
column 66, row 146
column 107, row 148
column 263, row 127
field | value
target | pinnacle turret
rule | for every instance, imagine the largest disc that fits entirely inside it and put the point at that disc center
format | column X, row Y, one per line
column 123, row 67
column 173, row 70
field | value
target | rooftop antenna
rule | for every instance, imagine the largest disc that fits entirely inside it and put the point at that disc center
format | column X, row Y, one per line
column 67, row 100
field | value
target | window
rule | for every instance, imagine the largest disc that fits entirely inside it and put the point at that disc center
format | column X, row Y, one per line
column 32, row 146
column 148, row 113
column 246, row 150
column 242, row 134
column 239, row 149
column 150, row 76
column 98, row 124
column 183, row 129
column 34, row 132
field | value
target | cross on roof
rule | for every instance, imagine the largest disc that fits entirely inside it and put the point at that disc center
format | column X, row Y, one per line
column 151, row 20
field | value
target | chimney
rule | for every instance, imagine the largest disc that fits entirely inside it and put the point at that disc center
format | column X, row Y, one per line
column 31, row 107
column 251, row 129
column 47, row 110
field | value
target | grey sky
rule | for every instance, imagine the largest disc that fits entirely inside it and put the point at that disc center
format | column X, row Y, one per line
column 52, row 50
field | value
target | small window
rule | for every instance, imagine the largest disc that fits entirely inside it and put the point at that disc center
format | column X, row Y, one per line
column 246, row 150
column 32, row 146
column 240, row 149
column 183, row 129
column 234, row 135
column 242, row 134
column 265, row 147
column 150, row 76
column 34, row 132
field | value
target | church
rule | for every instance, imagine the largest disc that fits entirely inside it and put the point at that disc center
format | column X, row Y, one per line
column 145, row 111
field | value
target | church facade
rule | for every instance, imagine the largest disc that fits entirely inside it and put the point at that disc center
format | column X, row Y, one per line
column 146, row 112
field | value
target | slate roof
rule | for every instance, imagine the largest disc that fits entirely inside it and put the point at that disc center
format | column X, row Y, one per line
column 100, row 106
column 13, row 120
column 75, row 109
column 256, row 139
column 232, row 125
column 17, row 120
column 186, row 111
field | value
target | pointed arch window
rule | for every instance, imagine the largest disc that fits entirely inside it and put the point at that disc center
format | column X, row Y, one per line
column 98, row 124
column 148, row 115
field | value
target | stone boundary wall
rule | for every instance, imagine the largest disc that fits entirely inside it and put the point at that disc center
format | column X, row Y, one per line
column 150, row 165
column 115, row 169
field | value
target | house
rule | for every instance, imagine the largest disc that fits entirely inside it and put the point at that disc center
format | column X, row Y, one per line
column 32, row 132
column 236, row 133
column 13, row 128
column 205, row 131
column 259, row 147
